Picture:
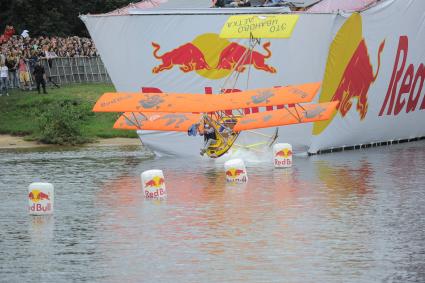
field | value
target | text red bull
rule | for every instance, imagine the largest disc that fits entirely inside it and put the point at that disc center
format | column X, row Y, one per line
column 410, row 90
column 158, row 193
column 38, row 207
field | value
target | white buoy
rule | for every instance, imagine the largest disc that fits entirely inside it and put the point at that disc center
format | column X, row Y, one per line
column 282, row 153
column 235, row 171
column 153, row 184
column 40, row 198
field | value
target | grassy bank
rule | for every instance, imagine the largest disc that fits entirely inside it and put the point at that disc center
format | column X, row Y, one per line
column 21, row 112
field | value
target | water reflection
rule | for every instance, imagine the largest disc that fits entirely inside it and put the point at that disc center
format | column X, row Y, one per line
column 344, row 180
column 347, row 217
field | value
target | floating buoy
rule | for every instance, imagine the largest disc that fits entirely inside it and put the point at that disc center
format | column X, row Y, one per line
column 282, row 153
column 40, row 198
column 235, row 171
column 153, row 184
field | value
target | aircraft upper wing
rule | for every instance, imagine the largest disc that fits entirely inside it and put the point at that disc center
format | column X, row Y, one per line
column 281, row 117
column 188, row 103
column 178, row 122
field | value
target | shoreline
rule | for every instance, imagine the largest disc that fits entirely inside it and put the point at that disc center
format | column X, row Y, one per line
column 12, row 142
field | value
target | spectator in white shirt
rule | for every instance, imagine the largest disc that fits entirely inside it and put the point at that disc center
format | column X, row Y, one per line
column 4, row 73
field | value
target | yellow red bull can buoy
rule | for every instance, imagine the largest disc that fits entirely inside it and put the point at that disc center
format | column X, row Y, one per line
column 153, row 184
column 235, row 171
column 40, row 198
column 282, row 155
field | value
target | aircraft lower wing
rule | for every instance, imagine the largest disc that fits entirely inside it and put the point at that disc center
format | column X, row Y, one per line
column 178, row 122
column 290, row 115
column 189, row 103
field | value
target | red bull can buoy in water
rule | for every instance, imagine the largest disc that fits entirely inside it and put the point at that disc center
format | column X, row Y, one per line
column 235, row 171
column 282, row 155
column 153, row 184
column 40, row 198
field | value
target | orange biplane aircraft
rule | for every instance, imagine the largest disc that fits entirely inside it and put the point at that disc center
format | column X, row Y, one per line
column 185, row 112
column 194, row 113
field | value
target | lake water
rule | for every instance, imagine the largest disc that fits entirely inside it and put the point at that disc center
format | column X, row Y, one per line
column 354, row 216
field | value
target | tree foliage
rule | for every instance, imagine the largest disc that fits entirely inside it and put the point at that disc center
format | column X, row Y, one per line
column 60, row 122
column 53, row 17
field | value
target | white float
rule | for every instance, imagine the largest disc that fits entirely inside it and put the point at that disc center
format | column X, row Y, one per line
column 40, row 198
column 153, row 184
column 282, row 153
column 235, row 171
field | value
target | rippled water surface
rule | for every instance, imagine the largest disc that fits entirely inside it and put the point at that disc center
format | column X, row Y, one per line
column 354, row 216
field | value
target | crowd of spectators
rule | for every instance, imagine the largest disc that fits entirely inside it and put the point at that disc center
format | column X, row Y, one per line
column 318, row 6
column 248, row 3
column 20, row 53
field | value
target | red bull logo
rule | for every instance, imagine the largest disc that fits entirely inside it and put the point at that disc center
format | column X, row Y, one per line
column 187, row 56
column 352, row 76
column 155, row 182
column 283, row 158
column 36, row 196
column 356, row 81
column 212, row 57
column 284, row 153
column 155, row 188
column 236, row 56
column 236, row 175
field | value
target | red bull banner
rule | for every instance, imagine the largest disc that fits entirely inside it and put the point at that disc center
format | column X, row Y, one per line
column 370, row 62
column 375, row 70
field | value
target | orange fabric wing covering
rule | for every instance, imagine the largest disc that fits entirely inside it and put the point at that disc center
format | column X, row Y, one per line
column 130, row 121
column 188, row 103
column 281, row 117
column 179, row 122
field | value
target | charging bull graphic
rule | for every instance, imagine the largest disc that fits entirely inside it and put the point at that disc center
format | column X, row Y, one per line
column 349, row 73
column 156, row 182
column 235, row 56
column 234, row 173
column 212, row 57
column 187, row 56
column 286, row 152
column 36, row 196
column 356, row 81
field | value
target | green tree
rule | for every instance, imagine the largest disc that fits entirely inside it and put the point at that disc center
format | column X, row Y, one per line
column 53, row 17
